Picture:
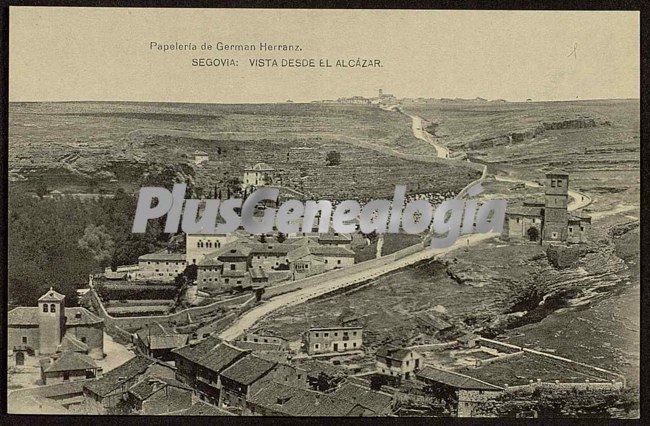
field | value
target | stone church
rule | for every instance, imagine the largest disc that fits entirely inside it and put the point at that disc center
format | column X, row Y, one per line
column 548, row 221
column 51, row 327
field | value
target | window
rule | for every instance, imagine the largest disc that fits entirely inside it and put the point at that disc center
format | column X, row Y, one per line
column 354, row 345
column 316, row 346
column 582, row 228
column 52, row 307
column 24, row 339
column 316, row 334
column 554, row 234
column 570, row 229
column 77, row 315
column 336, row 334
column 552, row 183
column 326, row 334
column 345, row 345
column 66, row 376
column 83, row 340
column 407, row 362
column 559, row 183
column 517, row 220
column 232, row 266
column 354, row 333
column 45, row 307
column 338, row 261
column 199, row 244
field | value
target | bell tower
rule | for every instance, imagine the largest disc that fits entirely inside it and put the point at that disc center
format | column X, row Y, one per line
column 556, row 218
column 51, row 321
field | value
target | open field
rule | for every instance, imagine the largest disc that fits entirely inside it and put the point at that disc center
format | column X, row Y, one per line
column 90, row 146
column 597, row 142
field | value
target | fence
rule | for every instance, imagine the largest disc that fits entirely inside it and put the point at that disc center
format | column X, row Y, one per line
column 181, row 317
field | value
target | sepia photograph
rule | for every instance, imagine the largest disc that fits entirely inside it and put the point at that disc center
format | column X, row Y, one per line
column 323, row 213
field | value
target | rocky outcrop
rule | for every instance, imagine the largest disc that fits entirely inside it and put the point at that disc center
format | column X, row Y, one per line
column 524, row 135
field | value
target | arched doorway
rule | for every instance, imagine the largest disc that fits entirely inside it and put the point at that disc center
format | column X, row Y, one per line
column 533, row 234
column 20, row 358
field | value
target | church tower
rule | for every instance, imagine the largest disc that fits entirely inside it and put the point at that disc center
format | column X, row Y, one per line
column 51, row 321
column 556, row 216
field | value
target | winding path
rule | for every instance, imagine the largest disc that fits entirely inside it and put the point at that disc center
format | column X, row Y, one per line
column 248, row 319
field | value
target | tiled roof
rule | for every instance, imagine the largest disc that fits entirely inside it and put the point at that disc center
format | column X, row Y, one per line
column 248, row 369
column 156, row 336
column 319, row 250
column 29, row 316
column 236, row 251
column 80, row 316
column 196, row 351
column 335, row 328
column 71, row 343
column 163, row 256
column 69, row 361
column 579, row 217
column 203, row 409
column 51, row 296
column 211, row 353
column 23, row 315
column 168, row 341
column 212, row 258
column 393, row 353
column 378, row 402
column 258, row 346
column 114, row 378
column 453, row 379
column 279, row 249
column 525, row 211
column 151, row 384
column 335, row 238
column 293, row 401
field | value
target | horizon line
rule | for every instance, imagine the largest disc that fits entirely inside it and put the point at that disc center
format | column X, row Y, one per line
column 457, row 99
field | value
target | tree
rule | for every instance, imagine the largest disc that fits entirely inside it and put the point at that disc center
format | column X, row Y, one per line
column 333, row 158
column 102, row 291
column 263, row 238
column 281, row 237
column 98, row 243
column 191, row 272
column 41, row 189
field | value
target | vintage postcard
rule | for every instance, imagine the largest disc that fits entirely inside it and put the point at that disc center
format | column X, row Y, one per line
column 329, row 213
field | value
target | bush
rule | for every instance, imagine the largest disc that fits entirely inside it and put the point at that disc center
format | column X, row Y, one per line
column 333, row 158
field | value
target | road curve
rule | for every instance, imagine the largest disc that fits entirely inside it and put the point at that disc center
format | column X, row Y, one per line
column 251, row 317
column 294, row 298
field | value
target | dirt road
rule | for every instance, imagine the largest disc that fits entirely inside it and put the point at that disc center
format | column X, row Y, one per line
column 251, row 317
column 290, row 299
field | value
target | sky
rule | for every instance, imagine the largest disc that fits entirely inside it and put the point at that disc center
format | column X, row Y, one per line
column 104, row 54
